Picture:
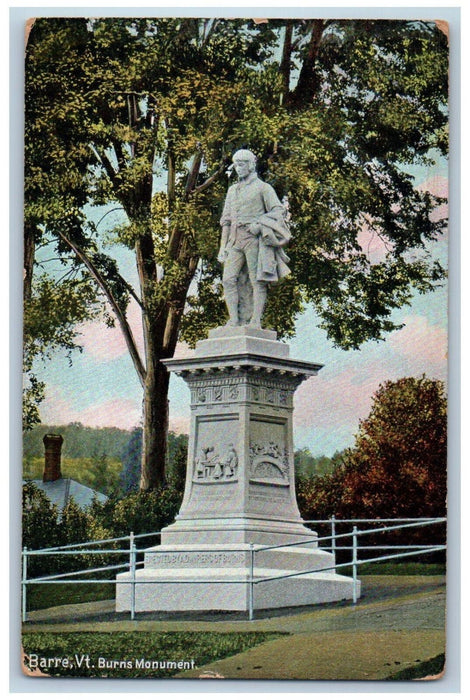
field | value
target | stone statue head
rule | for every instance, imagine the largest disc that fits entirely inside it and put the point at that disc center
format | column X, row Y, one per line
column 244, row 162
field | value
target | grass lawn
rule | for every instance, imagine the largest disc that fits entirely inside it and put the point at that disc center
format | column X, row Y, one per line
column 48, row 596
column 432, row 667
column 396, row 568
column 132, row 654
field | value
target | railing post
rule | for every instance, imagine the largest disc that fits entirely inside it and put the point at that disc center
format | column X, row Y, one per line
column 132, row 560
column 333, row 535
column 354, row 563
column 251, row 583
column 24, row 576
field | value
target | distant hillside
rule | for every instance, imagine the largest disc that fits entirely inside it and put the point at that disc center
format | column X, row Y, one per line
column 79, row 441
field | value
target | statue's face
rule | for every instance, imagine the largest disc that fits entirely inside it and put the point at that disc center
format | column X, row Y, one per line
column 243, row 166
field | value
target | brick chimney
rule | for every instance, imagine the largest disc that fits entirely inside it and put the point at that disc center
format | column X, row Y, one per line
column 53, row 447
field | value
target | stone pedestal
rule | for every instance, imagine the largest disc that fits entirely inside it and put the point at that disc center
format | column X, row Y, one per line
column 240, row 492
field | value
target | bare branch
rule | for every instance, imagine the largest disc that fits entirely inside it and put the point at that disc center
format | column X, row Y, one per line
column 210, row 180
column 109, row 212
column 194, row 172
column 125, row 328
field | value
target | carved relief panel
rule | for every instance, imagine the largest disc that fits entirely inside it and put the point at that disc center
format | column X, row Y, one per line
column 269, row 463
column 268, row 453
column 216, row 464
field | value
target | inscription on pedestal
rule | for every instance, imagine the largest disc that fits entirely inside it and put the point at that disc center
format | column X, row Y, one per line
column 196, row 559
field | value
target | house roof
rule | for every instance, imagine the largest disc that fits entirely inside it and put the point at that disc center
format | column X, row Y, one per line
column 61, row 490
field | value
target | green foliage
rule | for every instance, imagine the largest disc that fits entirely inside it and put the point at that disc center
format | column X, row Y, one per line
column 202, row 647
column 139, row 512
column 137, row 94
column 39, row 519
column 104, row 479
column 177, row 459
column 43, row 526
column 307, row 466
column 84, row 470
column 80, row 441
column 51, row 315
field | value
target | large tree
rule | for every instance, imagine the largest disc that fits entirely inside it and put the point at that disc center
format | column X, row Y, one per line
column 144, row 114
column 398, row 465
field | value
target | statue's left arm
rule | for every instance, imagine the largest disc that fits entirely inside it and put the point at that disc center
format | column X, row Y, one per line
column 271, row 201
column 272, row 206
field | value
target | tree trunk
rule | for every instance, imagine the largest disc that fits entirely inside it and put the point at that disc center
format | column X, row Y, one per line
column 307, row 84
column 285, row 67
column 155, row 426
column 28, row 260
column 161, row 338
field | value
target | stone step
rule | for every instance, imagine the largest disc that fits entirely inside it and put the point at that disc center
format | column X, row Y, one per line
column 229, row 589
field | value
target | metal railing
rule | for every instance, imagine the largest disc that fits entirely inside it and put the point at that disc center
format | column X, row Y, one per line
column 132, row 552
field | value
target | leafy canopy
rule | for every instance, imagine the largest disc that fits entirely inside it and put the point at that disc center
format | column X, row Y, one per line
column 337, row 116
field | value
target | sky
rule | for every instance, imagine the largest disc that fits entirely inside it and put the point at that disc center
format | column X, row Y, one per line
column 101, row 387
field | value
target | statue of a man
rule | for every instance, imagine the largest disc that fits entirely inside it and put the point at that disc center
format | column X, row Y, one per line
column 254, row 231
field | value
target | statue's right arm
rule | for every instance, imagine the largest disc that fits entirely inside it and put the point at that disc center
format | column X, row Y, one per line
column 223, row 244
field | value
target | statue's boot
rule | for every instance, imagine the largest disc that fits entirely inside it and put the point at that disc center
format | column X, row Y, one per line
column 231, row 302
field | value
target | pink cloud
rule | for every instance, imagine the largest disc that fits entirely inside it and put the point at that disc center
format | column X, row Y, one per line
column 421, row 340
column 179, row 425
column 342, row 400
column 372, row 245
column 104, row 344
column 183, row 351
column 118, row 413
column 436, row 184
column 439, row 187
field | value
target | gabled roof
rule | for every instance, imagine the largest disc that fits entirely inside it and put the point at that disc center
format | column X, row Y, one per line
column 60, row 491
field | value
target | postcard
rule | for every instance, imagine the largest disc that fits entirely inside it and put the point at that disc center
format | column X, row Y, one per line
column 235, row 348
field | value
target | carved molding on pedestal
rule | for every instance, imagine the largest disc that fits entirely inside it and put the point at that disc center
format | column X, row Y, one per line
column 234, row 389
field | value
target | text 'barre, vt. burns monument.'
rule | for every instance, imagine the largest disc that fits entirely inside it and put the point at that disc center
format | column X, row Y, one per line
column 239, row 519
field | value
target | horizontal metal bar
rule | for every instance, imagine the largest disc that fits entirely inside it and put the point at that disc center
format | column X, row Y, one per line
column 43, row 552
column 350, row 563
column 388, row 546
column 82, row 544
column 437, row 548
column 35, row 582
column 147, row 534
column 434, row 521
column 83, row 571
column 366, row 520
column 64, row 548
column 433, row 548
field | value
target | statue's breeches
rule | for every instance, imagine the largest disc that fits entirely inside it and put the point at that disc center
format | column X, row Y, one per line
column 235, row 261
